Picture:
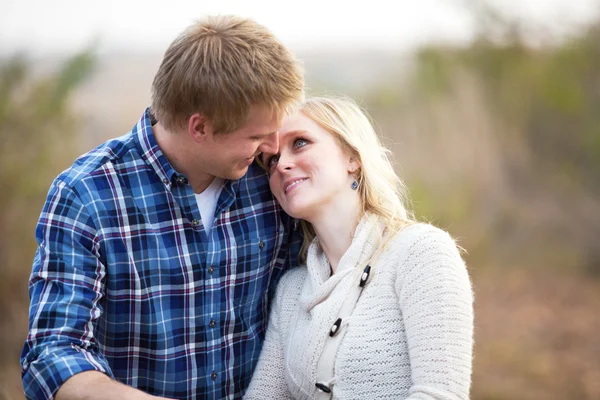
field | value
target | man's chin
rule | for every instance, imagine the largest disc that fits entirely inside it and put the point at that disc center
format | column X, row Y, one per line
column 238, row 174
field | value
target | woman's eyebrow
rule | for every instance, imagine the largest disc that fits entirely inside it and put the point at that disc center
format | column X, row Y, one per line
column 296, row 132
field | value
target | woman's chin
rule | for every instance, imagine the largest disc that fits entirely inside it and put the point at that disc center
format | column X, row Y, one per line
column 294, row 212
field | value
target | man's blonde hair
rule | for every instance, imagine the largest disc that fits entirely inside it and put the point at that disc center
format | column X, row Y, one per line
column 381, row 191
column 220, row 67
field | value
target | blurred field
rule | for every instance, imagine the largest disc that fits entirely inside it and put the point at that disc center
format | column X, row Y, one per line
column 536, row 336
column 499, row 143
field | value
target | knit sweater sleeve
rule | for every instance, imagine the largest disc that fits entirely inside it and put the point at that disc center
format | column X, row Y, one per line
column 268, row 380
column 436, row 300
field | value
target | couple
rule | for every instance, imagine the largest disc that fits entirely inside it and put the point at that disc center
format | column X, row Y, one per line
column 160, row 252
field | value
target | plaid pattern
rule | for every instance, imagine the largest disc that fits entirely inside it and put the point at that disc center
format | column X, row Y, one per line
column 125, row 280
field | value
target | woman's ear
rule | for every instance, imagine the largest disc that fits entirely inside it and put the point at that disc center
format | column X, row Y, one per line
column 353, row 165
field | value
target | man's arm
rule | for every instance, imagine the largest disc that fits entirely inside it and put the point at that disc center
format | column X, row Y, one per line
column 66, row 286
column 294, row 243
column 288, row 256
column 92, row 385
column 65, row 289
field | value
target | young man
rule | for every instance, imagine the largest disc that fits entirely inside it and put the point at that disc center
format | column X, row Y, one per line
column 158, row 250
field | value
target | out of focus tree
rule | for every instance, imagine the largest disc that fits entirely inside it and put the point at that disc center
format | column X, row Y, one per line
column 37, row 140
column 513, row 121
column 499, row 143
column 553, row 91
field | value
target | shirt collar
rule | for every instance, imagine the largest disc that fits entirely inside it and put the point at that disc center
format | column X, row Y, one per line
column 366, row 240
column 151, row 153
column 155, row 158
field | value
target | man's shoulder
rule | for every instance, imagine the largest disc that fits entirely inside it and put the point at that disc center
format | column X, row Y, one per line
column 256, row 176
column 255, row 185
column 88, row 165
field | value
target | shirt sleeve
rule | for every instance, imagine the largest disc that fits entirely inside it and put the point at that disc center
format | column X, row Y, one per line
column 268, row 380
column 436, row 299
column 65, row 288
column 289, row 255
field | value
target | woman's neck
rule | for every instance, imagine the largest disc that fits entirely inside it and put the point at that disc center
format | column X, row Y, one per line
column 335, row 229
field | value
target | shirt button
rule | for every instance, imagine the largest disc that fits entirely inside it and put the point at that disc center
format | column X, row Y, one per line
column 261, row 244
column 213, row 376
column 195, row 223
column 166, row 181
column 182, row 179
column 211, row 269
column 212, row 323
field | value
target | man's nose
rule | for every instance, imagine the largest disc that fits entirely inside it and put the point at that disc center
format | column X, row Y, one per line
column 270, row 144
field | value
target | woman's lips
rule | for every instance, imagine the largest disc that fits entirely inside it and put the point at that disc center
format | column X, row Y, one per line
column 291, row 185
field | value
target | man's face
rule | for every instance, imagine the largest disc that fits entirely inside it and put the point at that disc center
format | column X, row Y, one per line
column 228, row 155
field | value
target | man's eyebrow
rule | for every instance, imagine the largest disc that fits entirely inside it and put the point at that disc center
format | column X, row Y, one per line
column 262, row 135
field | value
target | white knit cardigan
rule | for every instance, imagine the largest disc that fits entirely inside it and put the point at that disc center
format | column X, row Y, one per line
column 410, row 335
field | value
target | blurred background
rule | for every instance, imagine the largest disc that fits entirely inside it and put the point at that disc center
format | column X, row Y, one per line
column 491, row 108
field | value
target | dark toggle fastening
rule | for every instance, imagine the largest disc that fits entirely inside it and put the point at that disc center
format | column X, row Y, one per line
column 365, row 276
column 322, row 387
column 335, row 328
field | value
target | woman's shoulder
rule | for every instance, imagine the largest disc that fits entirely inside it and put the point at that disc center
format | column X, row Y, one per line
column 422, row 240
column 293, row 275
column 291, row 282
column 420, row 231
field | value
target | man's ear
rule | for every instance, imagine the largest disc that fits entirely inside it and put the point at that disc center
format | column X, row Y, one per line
column 199, row 127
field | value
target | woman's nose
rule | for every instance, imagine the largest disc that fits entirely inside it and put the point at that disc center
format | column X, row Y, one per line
column 284, row 163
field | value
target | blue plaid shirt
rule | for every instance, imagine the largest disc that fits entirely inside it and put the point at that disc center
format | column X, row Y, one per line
column 125, row 280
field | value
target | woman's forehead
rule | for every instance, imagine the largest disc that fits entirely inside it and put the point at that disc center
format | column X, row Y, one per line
column 295, row 121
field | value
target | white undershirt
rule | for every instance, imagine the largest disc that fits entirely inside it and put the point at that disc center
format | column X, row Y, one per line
column 207, row 203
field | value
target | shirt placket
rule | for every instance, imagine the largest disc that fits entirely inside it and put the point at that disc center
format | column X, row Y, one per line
column 202, row 300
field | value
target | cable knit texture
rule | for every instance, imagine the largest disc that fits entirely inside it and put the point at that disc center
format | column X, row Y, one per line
column 410, row 335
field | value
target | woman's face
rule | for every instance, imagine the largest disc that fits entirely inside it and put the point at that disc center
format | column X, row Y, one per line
column 311, row 172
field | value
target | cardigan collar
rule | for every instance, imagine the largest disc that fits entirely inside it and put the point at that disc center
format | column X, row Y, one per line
column 321, row 283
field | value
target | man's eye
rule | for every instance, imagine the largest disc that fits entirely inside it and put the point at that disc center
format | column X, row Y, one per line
column 272, row 161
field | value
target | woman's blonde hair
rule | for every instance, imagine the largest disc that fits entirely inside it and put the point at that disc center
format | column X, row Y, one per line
column 220, row 67
column 381, row 191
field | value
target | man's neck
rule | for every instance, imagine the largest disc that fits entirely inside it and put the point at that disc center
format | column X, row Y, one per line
column 175, row 146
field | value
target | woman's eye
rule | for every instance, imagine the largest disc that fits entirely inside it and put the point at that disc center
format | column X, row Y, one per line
column 300, row 143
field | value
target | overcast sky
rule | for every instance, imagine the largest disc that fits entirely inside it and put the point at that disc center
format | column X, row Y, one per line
column 60, row 26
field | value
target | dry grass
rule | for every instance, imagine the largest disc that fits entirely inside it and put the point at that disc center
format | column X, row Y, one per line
column 536, row 336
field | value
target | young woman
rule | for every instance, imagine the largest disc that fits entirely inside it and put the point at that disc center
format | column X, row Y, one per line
column 384, row 307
